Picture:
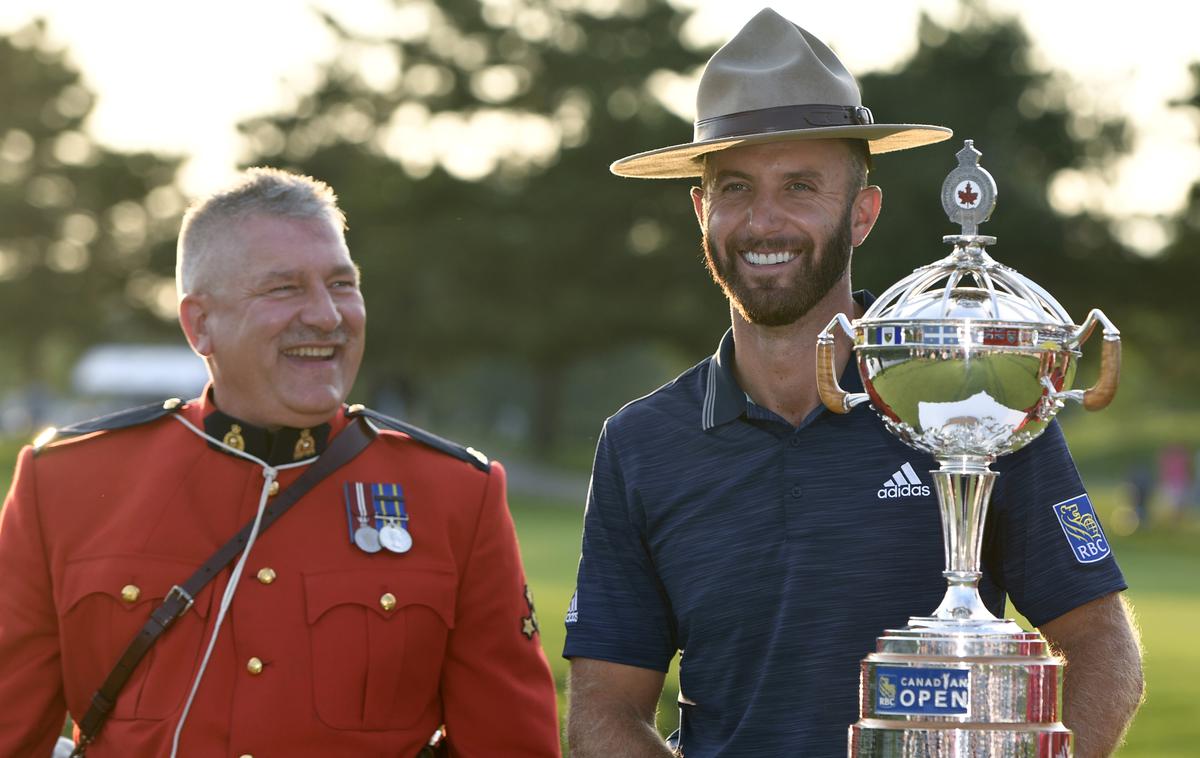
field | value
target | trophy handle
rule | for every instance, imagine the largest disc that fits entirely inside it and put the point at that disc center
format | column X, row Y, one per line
column 832, row 395
column 1104, row 390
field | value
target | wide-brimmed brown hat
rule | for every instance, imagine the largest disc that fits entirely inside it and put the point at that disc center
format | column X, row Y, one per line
column 772, row 82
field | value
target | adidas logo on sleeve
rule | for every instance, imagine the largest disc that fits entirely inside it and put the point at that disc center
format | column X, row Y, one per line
column 904, row 483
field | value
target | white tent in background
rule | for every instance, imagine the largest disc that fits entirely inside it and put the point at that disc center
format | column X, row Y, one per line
column 139, row 371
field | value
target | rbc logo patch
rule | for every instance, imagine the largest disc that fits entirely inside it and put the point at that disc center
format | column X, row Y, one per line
column 1082, row 527
column 887, row 692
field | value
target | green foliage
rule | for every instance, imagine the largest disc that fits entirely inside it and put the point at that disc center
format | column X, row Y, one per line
column 542, row 257
column 1172, row 324
column 546, row 257
column 978, row 77
column 85, row 228
column 9, row 449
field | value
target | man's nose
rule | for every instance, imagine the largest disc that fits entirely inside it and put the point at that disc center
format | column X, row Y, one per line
column 320, row 310
column 764, row 215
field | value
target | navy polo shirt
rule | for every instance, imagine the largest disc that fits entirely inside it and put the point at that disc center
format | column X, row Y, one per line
column 772, row 556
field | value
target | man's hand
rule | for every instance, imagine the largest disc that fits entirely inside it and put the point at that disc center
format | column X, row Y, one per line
column 1103, row 682
column 611, row 709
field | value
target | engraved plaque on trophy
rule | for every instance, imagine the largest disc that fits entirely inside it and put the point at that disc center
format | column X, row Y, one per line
column 967, row 360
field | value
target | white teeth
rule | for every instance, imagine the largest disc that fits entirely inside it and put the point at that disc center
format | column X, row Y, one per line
column 767, row 259
column 309, row 352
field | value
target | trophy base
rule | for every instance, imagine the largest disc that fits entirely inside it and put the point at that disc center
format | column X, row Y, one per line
column 948, row 689
column 871, row 738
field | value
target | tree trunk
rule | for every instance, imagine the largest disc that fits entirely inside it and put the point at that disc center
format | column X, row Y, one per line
column 547, row 407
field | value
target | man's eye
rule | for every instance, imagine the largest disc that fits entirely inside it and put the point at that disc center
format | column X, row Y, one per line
column 345, row 284
column 734, row 187
column 283, row 289
column 799, row 187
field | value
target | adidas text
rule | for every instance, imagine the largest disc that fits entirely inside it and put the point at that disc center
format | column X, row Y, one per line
column 908, row 490
column 903, row 483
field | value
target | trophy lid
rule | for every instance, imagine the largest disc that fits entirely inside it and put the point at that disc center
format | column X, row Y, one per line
column 968, row 283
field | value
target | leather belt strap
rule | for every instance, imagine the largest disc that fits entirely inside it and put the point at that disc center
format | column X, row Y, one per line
column 782, row 118
column 352, row 440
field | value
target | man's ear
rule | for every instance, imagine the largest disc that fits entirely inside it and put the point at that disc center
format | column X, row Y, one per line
column 865, row 213
column 698, row 204
column 193, row 317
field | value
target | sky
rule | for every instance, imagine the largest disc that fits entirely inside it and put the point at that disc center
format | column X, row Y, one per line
column 177, row 77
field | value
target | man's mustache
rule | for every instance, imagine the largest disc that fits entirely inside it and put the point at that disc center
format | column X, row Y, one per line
column 770, row 244
column 336, row 337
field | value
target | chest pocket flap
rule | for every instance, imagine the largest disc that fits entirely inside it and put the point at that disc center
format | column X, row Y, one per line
column 384, row 592
column 378, row 640
column 102, row 603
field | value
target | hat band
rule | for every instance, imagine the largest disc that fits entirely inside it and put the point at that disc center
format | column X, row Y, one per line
column 781, row 119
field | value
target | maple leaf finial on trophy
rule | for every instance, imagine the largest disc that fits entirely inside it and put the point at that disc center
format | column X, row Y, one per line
column 969, row 192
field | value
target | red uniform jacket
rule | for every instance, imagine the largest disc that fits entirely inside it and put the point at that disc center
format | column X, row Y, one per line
column 355, row 654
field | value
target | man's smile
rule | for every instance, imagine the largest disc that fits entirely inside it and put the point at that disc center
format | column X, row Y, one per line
column 768, row 259
column 311, row 352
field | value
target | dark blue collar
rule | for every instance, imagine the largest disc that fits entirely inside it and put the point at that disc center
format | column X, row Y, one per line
column 276, row 447
column 725, row 401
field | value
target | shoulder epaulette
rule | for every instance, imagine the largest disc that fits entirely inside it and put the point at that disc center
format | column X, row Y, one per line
column 120, row 420
column 441, row 444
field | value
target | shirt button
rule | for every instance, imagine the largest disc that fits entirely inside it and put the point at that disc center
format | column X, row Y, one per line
column 387, row 601
column 130, row 593
column 266, row 575
column 795, row 442
column 796, row 492
column 254, row 666
column 273, row 490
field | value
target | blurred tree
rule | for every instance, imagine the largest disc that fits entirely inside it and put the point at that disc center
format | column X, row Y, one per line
column 82, row 225
column 472, row 149
column 978, row 76
column 1172, row 324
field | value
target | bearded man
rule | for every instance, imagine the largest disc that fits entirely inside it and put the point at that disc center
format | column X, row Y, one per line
column 733, row 519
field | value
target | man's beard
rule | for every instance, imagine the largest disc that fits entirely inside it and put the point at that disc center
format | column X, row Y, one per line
column 781, row 303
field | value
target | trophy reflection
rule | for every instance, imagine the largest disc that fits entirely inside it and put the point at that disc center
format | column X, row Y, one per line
column 967, row 360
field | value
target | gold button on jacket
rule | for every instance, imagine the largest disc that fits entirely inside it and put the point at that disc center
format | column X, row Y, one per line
column 266, row 575
column 388, row 601
column 130, row 593
column 254, row 666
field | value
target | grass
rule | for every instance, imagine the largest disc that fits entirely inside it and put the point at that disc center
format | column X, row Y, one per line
column 1161, row 565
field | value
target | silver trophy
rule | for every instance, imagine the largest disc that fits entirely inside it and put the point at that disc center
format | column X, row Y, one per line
column 967, row 360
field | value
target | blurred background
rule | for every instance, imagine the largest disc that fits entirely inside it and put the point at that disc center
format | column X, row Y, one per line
column 519, row 294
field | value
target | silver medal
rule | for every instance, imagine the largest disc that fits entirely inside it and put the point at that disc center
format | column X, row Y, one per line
column 367, row 539
column 365, row 536
column 395, row 538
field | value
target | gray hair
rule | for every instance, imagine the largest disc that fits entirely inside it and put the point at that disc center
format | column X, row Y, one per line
column 258, row 191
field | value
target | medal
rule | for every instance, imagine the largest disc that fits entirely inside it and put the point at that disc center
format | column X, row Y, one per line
column 395, row 538
column 380, row 524
column 365, row 536
column 389, row 508
column 367, row 539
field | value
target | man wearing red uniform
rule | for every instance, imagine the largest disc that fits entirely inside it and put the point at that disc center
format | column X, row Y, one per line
column 389, row 603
